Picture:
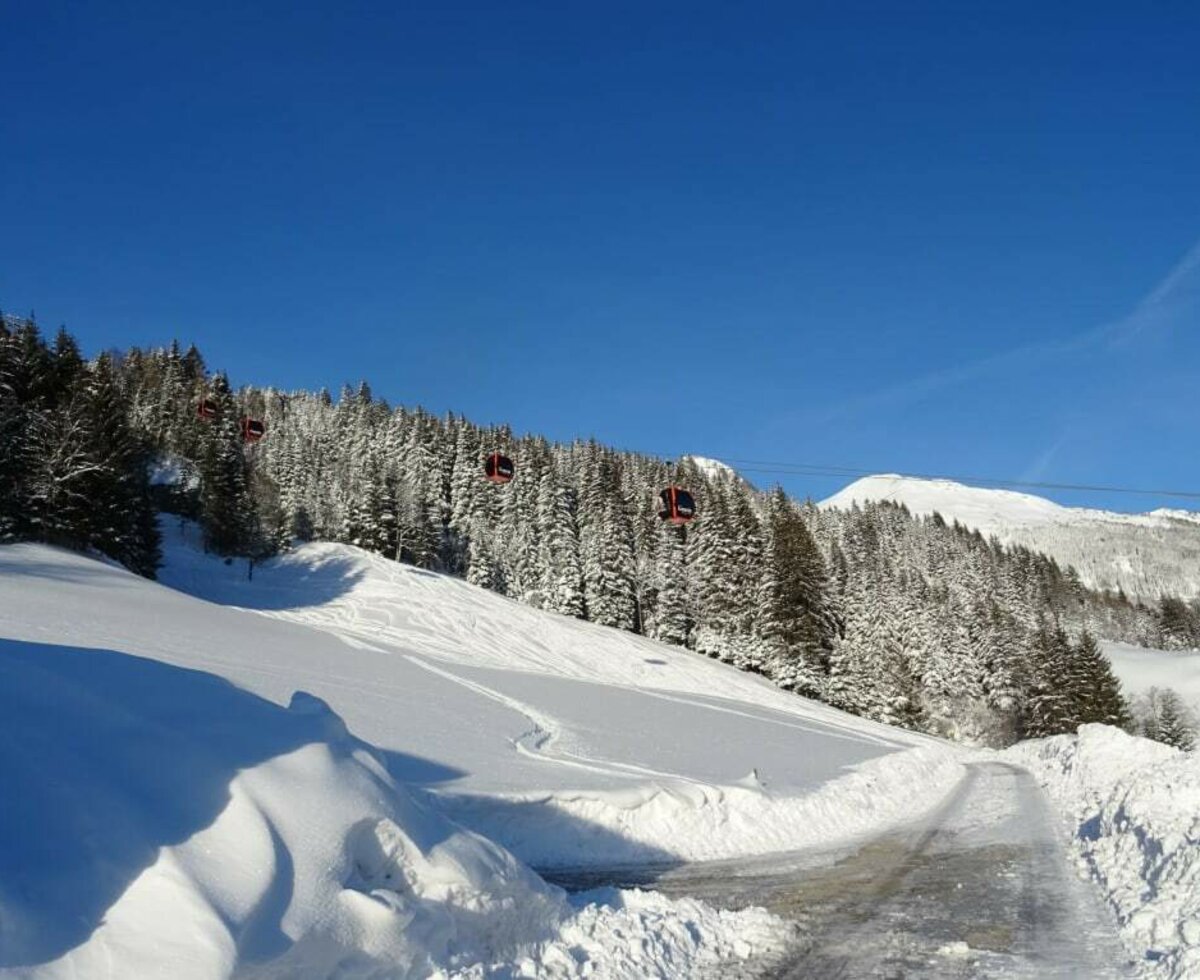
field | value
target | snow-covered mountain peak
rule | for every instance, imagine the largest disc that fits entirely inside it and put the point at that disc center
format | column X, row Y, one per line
column 1146, row 555
column 987, row 509
column 714, row 469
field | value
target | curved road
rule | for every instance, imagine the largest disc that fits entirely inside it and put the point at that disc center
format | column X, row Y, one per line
column 980, row 888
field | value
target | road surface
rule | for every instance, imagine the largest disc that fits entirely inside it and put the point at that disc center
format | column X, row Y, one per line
column 981, row 888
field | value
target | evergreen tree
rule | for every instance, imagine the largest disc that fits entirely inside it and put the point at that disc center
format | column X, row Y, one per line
column 562, row 568
column 1098, row 691
column 795, row 622
column 1052, row 709
column 1168, row 721
column 225, row 506
column 671, row 622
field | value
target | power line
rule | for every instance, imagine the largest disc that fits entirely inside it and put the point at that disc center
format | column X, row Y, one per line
column 781, row 468
column 817, row 469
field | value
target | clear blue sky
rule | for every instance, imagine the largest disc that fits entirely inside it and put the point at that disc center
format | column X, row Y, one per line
column 921, row 237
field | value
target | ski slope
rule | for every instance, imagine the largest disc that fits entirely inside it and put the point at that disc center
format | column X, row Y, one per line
column 606, row 747
column 347, row 762
column 1146, row 555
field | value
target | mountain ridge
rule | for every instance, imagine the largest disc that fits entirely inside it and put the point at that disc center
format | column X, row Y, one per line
column 1145, row 555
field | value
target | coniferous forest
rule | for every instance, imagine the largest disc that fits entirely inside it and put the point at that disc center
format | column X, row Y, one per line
column 907, row 620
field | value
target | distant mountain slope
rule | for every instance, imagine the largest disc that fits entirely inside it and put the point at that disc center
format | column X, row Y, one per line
column 1147, row 555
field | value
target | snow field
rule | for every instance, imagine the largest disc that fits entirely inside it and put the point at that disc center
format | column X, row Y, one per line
column 1132, row 808
column 1140, row 668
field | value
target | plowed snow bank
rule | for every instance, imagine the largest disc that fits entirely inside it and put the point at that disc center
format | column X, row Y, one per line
column 1133, row 809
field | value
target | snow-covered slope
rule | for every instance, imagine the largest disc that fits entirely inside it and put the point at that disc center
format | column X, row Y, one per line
column 1147, row 555
column 579, row 726
column 283, row 787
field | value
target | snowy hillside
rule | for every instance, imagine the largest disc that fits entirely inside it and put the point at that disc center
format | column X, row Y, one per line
column 1147, row 555
column 200, row 788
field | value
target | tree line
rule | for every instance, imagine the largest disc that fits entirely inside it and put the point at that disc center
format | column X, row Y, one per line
column 73, row 469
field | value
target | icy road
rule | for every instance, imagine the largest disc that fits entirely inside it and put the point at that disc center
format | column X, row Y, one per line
column 980, row 888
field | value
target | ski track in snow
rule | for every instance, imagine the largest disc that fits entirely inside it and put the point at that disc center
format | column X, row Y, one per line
column 537, row 742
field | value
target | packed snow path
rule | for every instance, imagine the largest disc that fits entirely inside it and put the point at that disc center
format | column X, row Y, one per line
column 980, row 888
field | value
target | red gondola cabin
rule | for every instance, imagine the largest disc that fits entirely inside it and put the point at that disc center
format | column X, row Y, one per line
column 678, row 506
column 253, row 430
column 206, row 409
column 498, row 468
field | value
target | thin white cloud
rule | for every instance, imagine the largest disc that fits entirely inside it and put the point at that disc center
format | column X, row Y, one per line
column 1162, row 309
column 1040, row 465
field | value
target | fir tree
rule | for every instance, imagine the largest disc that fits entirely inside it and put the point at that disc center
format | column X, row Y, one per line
column 1169, row 721
column 225, row 506
column 1097, row 689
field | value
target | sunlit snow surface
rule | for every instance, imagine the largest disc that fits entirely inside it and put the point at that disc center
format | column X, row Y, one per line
column 1147, row 555
column 201, row 788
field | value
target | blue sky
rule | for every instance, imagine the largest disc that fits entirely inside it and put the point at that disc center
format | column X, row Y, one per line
column 944, row 238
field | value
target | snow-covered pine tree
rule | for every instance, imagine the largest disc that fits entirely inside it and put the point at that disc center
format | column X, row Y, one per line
column 1051, row 701
column 670, row 622
column 1172, row 722
column 1096, row 688
column 226, row 507
column 562, row 566
column 608, row 568
column 795, row 623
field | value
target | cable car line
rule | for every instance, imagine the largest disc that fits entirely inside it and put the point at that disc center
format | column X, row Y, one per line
column 800, row 469
column 780, row 468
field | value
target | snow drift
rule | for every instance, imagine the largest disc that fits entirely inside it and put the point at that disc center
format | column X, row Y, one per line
column 1132, row 808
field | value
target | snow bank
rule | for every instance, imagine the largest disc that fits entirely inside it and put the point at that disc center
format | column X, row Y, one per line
column 159, row 821
column 1133, row 809
column 690, row 821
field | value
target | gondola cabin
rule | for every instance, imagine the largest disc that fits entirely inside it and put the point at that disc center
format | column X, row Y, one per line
column 498, row 468
column 206, row 409
column 253, row 430
column 676, row 505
